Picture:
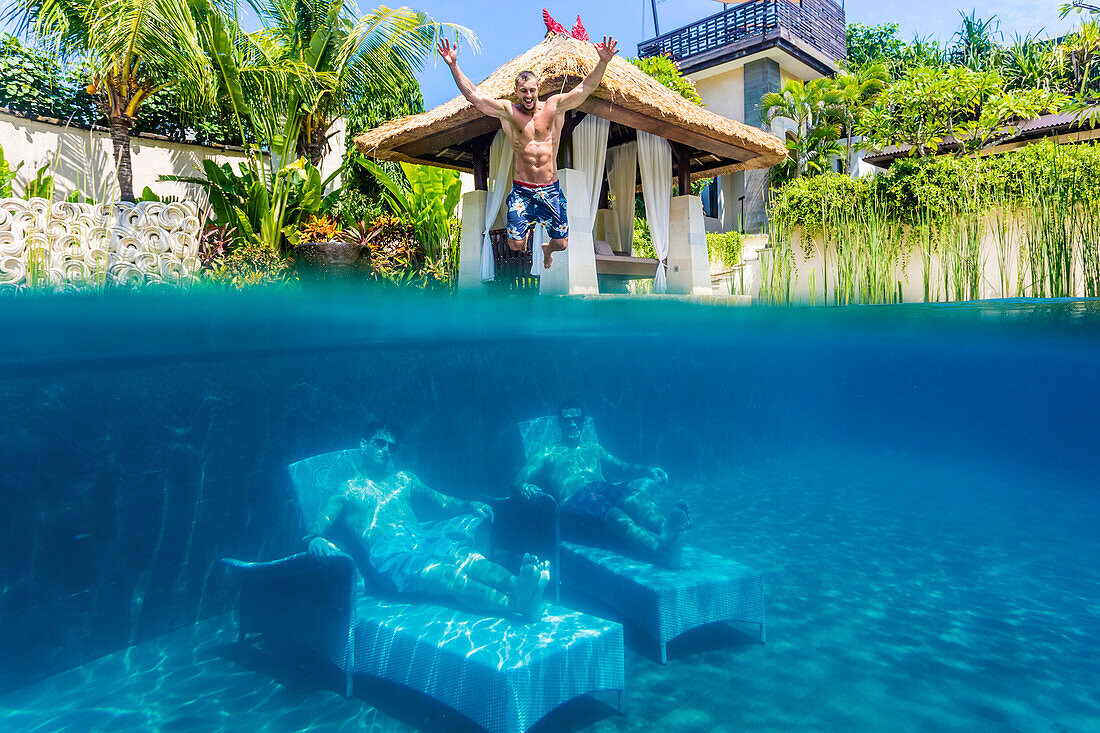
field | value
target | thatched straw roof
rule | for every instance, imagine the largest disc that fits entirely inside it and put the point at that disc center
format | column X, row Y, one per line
column 446, row 135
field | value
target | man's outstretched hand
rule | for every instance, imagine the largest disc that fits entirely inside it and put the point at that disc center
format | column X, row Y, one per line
column 320, row 547
column 607, row 49
column 448, row 52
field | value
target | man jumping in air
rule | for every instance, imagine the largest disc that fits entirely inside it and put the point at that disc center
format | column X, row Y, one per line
column 533, row 128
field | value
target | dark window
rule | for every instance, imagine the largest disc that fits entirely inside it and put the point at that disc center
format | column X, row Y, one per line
column 710, row 199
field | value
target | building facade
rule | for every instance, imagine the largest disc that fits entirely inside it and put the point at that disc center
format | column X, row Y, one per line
column 735, row 57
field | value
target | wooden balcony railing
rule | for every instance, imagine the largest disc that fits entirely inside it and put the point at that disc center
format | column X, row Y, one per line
column 820, row 23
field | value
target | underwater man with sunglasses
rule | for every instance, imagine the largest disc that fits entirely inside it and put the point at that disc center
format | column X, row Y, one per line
column 596, row 510
column 376, row 509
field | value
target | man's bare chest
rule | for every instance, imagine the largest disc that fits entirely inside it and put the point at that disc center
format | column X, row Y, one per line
column 540, row 128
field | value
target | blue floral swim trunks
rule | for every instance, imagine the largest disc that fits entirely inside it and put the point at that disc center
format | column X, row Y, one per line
column 529, row 205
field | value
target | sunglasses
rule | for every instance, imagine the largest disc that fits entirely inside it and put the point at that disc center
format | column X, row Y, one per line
column 380, row 443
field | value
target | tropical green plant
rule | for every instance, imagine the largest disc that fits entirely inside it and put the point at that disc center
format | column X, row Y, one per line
column 29, row 80
column 428, row 203
column 874, row 45
column 41, row 186
column 1045, row 197
column 643, row 239
column 133, row 49
column 1079, row 59
column 811, row 108
column 725, row 247
column 853, row 93
column 7, row 175
column 353, row 206
column 975, row 44
column 249, row 263
column 1030, row 63
column 349, row 59
column 242, row 200
column 667, row 72
column 283, row 85
column 931, row 104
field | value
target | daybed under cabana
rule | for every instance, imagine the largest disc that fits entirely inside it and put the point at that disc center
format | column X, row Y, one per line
column 633, row 132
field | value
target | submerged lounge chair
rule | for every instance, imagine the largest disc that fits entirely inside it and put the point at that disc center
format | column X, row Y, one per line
column 502, row 674
column 664, row 603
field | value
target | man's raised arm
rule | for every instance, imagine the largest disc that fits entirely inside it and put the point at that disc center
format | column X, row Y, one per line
column 575, row 97
column 492, row 107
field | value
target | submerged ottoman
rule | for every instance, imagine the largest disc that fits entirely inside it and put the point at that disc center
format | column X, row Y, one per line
column 665, row 603
column 504, row 675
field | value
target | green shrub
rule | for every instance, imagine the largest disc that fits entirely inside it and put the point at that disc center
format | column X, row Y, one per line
column 937, row 208
column 643, row 240
column 916, row 189
column 248, row 263
column 354, row 206
column 667, row 72
column 725, row 247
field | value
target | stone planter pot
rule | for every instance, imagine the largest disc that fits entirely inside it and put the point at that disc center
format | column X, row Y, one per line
column 332, row 261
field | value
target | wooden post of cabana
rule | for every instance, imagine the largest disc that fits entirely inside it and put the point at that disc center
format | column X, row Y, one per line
column 701, row 144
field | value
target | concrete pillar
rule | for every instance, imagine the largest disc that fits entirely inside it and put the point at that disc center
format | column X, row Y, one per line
column 574, row 270
column 761, row 77
column 469, row 253
column 688, row 264
column 607, row 228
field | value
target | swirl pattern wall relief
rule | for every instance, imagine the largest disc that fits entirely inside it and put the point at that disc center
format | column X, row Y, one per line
column 73, row 246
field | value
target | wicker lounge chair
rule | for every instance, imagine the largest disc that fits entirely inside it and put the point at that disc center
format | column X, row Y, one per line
column 502, row 674
column 664, row 603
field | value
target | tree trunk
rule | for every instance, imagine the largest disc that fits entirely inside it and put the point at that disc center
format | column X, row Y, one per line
column 313, row 141
column 120, row 141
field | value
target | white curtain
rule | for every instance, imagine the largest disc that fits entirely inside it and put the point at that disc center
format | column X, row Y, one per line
column 623, row 174
column 655, row 161
column 589, row 154
column 500, row 183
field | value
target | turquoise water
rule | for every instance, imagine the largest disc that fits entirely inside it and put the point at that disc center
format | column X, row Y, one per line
column 917, row 484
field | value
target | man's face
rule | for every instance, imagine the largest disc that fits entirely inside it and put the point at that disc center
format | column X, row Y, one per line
column 378, row 449
column 528, row 93
column 571, row 421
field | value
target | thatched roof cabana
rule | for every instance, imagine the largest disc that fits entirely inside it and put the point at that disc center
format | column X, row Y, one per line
column 455, row 133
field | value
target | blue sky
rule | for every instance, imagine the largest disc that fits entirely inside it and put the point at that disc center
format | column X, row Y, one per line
column 507, row 28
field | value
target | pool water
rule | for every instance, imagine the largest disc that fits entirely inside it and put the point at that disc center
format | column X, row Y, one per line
column 917, row 484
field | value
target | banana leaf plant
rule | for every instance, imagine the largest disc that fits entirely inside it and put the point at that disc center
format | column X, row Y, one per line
column 7, row 175
column 428, row 203
column 241, row 199
column 286, row 82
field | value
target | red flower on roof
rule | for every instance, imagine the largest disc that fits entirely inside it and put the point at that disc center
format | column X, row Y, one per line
column 578, row 30
column 554, row 26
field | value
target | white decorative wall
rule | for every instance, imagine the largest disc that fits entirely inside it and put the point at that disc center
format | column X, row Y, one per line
column 81, row 159
column 67, row 245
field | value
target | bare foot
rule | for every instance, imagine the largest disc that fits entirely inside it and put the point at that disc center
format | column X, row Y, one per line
column 531, row 581
column 538, row 607
column 547, row 256
column 672, row 537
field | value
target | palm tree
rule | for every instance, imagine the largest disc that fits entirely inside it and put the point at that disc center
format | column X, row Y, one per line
column 811, row 106
column 133, row 49
column 350, row 58
column 853, row 94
